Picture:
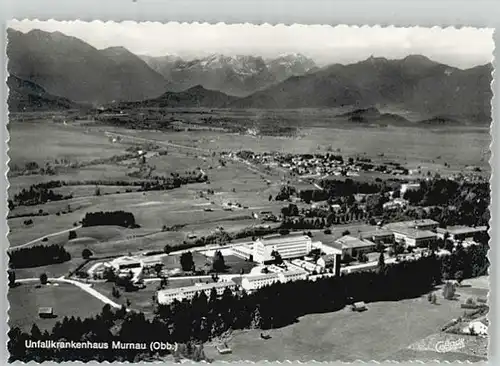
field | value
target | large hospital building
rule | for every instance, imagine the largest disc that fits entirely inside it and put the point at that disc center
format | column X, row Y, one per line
column 289, row 246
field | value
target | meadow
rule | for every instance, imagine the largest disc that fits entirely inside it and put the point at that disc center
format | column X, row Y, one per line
column 65, row 299
column 383, row 332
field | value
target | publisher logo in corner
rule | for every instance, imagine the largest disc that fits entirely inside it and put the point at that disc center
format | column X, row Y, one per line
column 450, row 346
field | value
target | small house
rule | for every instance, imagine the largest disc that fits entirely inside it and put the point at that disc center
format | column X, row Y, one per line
column 476, row 328
column 46, row 312
column 223, row 349
column 359, row 306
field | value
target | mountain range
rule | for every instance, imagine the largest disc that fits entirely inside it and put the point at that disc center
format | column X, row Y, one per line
column 69, row 68
column 414, row 83
column 239, row 75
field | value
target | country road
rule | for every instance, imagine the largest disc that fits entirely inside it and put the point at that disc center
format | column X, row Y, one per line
column 84, row 286
column 45, row 236
column 160, row 142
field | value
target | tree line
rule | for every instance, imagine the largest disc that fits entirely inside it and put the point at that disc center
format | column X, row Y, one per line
column 452, row 202
column 117, row 218
column 36, row 195
column 38, row 255
column 42, row 193
column 333, row 188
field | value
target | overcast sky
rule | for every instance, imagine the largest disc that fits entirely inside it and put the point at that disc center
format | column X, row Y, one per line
column 465, row 47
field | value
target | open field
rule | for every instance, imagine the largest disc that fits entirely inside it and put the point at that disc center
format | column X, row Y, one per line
column 65, row 299
column 422, row 145
column 93, row 172
column 383, row 332
column 58, row 141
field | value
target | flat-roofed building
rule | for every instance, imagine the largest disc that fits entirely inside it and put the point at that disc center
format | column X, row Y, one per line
column 167, row 296
column 254, row 282
column 46, row 312
column 423, row 224
column 293, row 275
column 414, row 237
column 353, row 246
column 308, row 266
column 460, row 232
column 379, row 236
column 126, row 266
column 409, row 187
column 288, row 246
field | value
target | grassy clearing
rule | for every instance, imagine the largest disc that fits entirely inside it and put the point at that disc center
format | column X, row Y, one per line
column 52, row 270
column 423, row 144
column 58, row 141
column 236, row 264
column 377, row 334
column 65, row 299
column 178, row 162
column 93, row 172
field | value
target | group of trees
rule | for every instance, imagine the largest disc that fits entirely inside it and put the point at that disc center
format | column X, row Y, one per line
column 453, row 202
column 285, row 192
column 43, row 192
column 175, row 180
column 290, row 210
column 118, row 218
column 218, row 263
column 96, row 329
column 205, row 317
column 38, row 255
column 466, row 262
column 187, row 261
column 188, row 264
column 317, row 218
column 32, row 167
column 304, row 223
column 36, row 195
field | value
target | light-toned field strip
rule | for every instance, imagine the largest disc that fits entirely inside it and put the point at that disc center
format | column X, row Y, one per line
column 107, row 133
column 84, row 286
column 45, row 236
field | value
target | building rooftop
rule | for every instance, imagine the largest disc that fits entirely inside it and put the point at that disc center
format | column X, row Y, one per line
column 45, row 310
column 375, row 233
column 348, row 241
column 293, row 273
column 410, row 224
column 266, row 276
column 200, row 287
column 283, row 239
column 456, row 230
column 415, row 233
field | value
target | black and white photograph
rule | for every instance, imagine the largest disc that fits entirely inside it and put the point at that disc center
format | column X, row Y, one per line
column 242, row 192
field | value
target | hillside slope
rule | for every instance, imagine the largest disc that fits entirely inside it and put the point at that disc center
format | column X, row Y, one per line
column 26, row 96
column 67, row 66
column 414, row 83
